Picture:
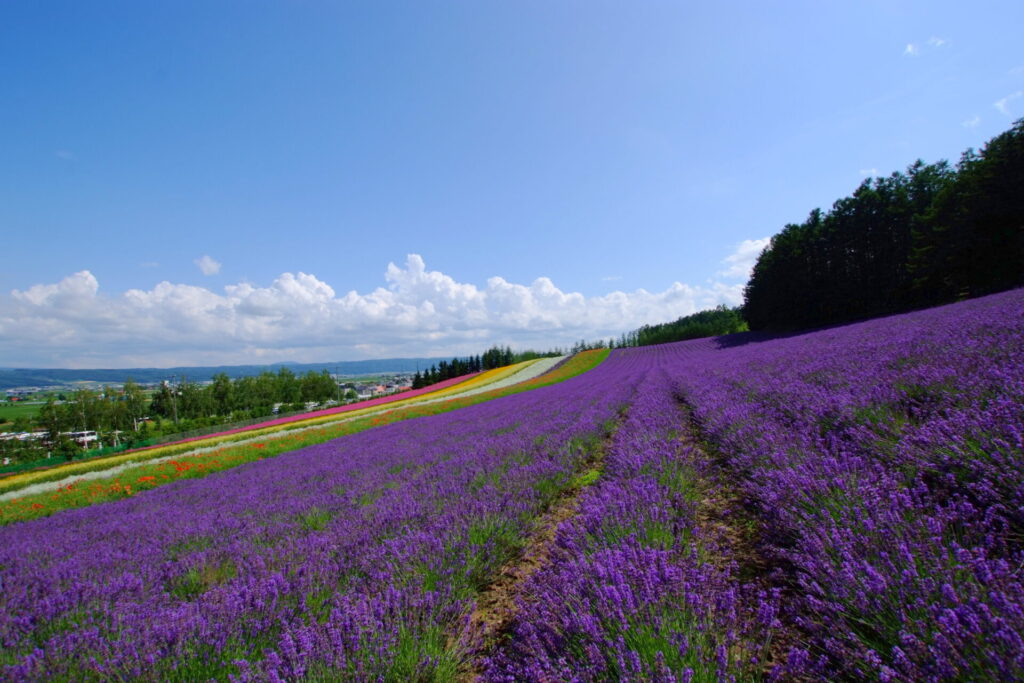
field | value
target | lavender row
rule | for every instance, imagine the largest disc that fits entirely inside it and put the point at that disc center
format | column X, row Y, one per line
column 359, row 558
column 887, row 464
column 637, row 588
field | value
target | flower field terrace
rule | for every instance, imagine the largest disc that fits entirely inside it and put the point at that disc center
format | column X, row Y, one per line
column 885, row 463
column 151, row 468
column 868, row 481
column 359, row 557
column 267, row 426
column 845, row 504
column 640, row 586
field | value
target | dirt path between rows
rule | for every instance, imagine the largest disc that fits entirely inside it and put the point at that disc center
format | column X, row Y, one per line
column 496, row 606
column 725, row 517
column 732, row 531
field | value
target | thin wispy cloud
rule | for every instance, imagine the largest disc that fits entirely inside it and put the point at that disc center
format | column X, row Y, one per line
column 915, row 49
column 207, row 265
column 1003, row 105
column 869, row 172
column 741, row 261
column 66, row 155
column 611, row 278
column 972, row 122
column 149, row 264
column 1017, row 71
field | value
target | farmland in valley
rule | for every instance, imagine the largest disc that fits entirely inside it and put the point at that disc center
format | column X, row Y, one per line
column 9, row 412
column 840, row 504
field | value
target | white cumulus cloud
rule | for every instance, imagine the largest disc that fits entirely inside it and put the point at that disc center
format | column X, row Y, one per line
column 741, row 262
column 298, row 316
column 207, row 265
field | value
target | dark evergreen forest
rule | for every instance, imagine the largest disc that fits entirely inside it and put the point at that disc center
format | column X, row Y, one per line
column 494, row 357
column 931, row 235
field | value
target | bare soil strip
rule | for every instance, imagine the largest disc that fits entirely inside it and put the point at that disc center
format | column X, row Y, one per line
column 731, row 528
column 496, row 606
column 729, row 522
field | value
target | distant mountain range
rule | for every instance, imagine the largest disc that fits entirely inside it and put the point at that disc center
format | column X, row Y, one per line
column 39, row 377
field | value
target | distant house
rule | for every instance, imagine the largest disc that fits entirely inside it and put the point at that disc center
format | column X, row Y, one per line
column 83, row 439
column 23, row 436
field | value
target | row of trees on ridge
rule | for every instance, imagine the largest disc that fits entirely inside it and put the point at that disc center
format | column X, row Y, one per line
column 494, row 357
column 931, row 235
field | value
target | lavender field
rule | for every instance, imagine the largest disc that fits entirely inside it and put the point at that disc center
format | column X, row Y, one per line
column 846, row 504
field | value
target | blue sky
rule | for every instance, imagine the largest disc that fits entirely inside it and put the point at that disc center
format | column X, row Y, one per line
column 263, row 181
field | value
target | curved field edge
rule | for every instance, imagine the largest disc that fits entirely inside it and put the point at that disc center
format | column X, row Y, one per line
column 11, row 482
column 152, row 474
column 460, row 385
column 375, row 546
column 56, row 478
column 851, row 499
column 303, row 432
column 878, row 467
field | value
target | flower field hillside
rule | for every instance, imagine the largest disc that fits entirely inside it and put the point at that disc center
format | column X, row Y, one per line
column 855, row 495
column 845, row 504
column 41, row 492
